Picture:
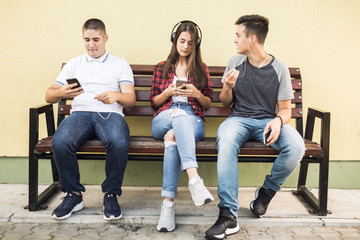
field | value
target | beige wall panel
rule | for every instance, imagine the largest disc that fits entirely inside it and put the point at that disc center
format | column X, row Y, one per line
column 321, row 37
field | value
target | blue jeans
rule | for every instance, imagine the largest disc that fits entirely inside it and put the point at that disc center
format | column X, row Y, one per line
column 188, row 129
column 232, row 133
column 111, row 129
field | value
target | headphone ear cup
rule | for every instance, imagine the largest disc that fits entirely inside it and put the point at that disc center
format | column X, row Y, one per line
column 198, row 42
column 173, row 35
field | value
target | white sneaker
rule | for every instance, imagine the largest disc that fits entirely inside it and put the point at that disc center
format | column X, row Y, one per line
column 199, row 192
column 167, row 217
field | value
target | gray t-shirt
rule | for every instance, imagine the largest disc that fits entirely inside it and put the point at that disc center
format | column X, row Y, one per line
column 257, row 90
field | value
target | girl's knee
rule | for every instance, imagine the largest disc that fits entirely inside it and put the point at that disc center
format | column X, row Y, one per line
column 169, row 138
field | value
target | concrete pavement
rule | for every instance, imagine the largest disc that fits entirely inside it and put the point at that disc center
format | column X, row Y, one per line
column 287, row 216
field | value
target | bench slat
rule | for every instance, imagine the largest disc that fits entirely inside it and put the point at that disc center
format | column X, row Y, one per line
column 141, row 144
column 149, row 111
column 295, row 72
column 140, row 69
column 144, row 95
column 146, row 81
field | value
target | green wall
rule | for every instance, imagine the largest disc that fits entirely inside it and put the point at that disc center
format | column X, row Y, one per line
column 15, row 170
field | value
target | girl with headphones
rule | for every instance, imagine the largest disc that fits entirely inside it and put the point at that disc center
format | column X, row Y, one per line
column 181, row 92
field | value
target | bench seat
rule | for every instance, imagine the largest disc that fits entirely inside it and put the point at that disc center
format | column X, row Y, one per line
column 147, row 144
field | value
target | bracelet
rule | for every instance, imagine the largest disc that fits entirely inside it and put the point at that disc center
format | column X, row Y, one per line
column 282, row 123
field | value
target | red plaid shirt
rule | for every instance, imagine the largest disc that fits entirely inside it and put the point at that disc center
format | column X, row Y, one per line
column 159, row 84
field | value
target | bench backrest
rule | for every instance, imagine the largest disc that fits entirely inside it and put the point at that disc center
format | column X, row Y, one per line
column 143, row 81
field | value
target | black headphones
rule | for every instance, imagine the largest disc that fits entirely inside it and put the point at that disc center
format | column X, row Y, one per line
column 173, row 33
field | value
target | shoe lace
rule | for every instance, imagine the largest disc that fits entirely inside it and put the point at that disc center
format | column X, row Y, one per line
column 221, row 220
column 264, row 198
column 199, row 186
column 111, row 200
column 66, row 199
column 166, row 211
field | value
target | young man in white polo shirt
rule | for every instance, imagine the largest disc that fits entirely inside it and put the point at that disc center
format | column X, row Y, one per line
column 107, row 85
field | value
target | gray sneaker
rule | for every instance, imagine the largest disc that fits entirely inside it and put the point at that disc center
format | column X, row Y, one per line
column 167, row 217
column 199, row 192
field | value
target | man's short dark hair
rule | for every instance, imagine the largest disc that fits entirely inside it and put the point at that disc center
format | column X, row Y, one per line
column 255, row 24
column 94, row 24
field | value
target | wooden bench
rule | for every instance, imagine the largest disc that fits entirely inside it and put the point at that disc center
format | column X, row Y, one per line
column 146, row 148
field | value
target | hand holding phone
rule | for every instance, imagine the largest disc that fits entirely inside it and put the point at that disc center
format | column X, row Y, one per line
column 266, row 135
column 73, row 80
column 180, row 83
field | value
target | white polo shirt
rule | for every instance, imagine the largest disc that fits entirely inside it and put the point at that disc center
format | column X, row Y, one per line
column 96, row 76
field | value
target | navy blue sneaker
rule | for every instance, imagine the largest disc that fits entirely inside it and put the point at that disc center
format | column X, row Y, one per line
column 112, row 209
column 72, row 203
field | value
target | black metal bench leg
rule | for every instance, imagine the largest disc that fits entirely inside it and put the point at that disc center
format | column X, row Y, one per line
column 36, row 201
column 302, row 174
column 304, row 191
column 323, row 187
column 324, row 165
column 33, row 183
column 302, row 178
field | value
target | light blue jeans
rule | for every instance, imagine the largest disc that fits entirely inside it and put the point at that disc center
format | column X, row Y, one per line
column 232, row 133
column 188, row 129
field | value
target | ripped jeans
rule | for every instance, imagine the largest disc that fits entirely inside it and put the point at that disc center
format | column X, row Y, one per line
column 180, row 155
column 232, row 133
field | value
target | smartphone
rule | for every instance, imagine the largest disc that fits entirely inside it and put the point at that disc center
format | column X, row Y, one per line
column 266, row 135
column 73, row 80
column 179, row 83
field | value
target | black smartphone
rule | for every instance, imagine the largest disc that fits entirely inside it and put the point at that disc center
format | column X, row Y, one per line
column 179, row 83
column 73, row 80
column 266, row 135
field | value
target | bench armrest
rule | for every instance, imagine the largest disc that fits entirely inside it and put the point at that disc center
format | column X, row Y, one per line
column 35, row 112
column 325, row 128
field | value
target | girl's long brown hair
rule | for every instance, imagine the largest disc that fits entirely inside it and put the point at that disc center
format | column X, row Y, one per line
column 196, row 67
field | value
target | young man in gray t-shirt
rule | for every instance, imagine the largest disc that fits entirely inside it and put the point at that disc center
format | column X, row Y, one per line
column 258, row 87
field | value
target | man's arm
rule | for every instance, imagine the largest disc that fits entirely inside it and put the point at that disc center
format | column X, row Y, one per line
column 283, row 117
column 284, row 111
column 126, row 97
column 56, row 92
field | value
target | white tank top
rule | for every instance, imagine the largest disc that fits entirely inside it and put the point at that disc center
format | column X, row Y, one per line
column 178, row 98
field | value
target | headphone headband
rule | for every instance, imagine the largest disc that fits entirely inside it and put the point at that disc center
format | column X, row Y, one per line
column 173, row 33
